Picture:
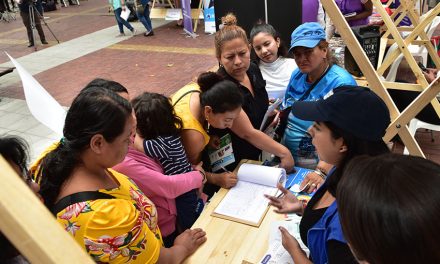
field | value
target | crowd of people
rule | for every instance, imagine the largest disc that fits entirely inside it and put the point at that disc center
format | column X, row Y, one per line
column 130, row 177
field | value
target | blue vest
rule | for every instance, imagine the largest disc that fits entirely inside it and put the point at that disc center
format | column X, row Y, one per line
column 327, row 228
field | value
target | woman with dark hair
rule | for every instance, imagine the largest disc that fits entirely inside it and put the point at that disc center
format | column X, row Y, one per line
column 233, row 54
column 349, row 123
column 389, row 208
column 271, row 58
column 173, row 189
column 216, row 103
column 315, row 77
column 104, row 211
column 15, row 151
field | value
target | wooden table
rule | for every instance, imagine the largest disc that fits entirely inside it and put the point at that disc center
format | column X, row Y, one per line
column 231, row 242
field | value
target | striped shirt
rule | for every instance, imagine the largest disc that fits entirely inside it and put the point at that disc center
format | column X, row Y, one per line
column 170, row 153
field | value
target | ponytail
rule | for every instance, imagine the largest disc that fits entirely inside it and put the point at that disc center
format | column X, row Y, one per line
column 56, row 167
column 221, row 95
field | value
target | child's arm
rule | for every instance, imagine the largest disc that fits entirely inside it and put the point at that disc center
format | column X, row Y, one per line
column 148, row 175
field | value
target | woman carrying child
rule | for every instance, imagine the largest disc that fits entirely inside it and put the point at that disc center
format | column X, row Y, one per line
column 158, row 137
column 104, row 210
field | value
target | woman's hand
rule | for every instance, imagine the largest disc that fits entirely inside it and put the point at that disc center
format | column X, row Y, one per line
column 191, row 239
column 287, row 161
column 430, row 74
column 311, row 182
column 286, row 203
column 225, row 179
column 289, row 242
column 292, row 246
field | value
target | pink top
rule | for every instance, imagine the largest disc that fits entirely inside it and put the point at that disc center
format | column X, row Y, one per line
column 147, row 173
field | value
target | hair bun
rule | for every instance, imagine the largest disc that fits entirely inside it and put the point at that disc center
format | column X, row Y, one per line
column 208, row 79
column 229, row 20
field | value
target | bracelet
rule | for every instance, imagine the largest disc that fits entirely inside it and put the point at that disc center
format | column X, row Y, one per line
column 321, row 173
column 204, row 177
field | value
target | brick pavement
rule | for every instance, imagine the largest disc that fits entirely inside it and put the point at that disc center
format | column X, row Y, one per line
column 162, row 63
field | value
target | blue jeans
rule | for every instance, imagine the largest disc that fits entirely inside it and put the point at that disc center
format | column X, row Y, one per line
column 122, row 21
column 144, row 17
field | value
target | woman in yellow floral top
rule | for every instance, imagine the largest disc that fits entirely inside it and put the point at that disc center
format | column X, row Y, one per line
column 104, row 211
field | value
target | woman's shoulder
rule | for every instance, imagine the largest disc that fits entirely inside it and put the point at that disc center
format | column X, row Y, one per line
column 192, row 86
column 112, row 223
column 341, row 75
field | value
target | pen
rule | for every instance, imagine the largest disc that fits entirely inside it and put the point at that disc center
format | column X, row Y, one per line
column 225, row 170
column 305, row 187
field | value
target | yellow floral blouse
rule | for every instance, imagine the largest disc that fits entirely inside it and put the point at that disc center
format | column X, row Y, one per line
column 117, row 230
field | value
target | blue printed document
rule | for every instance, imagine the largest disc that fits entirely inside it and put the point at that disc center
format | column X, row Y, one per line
column 294, row 181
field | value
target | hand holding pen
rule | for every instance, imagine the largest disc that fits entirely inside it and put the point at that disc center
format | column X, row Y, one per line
column 225, row 179
column 286, row 202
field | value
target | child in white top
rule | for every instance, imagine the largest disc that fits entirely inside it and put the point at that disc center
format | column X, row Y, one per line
column 270, row 55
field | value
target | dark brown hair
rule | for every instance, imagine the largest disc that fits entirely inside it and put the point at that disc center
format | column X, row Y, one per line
column 155, row 116
column 228, row 32
column 389, row 208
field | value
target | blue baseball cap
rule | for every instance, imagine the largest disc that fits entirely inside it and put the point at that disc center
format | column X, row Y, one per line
column 307, row 35
column 354, row 109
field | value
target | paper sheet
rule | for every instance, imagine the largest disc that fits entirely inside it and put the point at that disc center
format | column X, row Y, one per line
column 276, row 253
column 40, row 103
column 269, row 111
column 173, row 14
column 125, row 14
column 246, row 201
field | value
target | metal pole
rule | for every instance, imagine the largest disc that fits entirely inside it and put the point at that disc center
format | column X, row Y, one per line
column 265, row 12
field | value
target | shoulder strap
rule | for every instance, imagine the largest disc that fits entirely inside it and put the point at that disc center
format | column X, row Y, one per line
column 183, row 95
column 77, row 198
column 314, row 84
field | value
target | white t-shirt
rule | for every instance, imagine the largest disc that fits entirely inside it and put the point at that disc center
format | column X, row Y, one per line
column 277, row 75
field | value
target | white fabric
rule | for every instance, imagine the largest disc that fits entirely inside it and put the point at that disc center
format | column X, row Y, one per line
column 277, row 75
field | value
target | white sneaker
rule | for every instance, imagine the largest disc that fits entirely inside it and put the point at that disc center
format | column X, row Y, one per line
column 120, row 35
column 134, row 32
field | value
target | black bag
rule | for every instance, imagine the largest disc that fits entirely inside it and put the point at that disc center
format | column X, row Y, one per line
column 49, row 5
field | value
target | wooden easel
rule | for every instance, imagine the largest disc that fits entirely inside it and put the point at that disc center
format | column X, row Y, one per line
column 161, row 12
column 31, row 227
column 399, row 121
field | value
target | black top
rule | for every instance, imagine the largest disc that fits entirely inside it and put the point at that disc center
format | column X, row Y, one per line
column 24, row 6
column 337, row 252
column 255, row 106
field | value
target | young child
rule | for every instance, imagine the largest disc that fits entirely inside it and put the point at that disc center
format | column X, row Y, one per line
column 271, row 56
column 162, row 141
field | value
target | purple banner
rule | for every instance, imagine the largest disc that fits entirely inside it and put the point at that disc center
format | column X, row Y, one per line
column 186, row 13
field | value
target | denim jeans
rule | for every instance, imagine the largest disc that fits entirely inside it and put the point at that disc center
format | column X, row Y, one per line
column 122, row 21
column 144, row 17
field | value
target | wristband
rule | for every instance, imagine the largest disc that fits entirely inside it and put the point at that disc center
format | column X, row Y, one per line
column 321, row 173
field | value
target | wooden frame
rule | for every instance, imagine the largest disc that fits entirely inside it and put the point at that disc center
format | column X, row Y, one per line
column 399, row 121
column 161, row 12
column 31, row 227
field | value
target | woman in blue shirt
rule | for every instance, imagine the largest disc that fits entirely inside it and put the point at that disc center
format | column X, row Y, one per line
column 349, row 123
column 315, row 76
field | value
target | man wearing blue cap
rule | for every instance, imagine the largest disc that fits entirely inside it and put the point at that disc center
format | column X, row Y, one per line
column 315, row 77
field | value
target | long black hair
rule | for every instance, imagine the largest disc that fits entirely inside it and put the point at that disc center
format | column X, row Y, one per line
column 389, row 208
column 221, row 95
column 15, row 149
column 355, row 147
column 96, row 110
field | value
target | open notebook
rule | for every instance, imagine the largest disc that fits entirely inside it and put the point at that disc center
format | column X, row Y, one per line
column 245, row 202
